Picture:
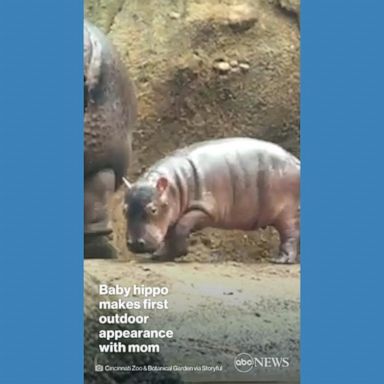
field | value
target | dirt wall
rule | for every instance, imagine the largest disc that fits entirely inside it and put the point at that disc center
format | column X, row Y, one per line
column 207, row 70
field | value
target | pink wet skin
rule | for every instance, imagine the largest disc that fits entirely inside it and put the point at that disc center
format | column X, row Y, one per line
column 234, row 183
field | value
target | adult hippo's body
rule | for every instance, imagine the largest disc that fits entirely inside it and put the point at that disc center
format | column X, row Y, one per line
column 109, row 114
column 234, row 183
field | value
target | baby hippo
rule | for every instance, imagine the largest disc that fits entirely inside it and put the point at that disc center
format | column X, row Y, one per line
column 234, row 183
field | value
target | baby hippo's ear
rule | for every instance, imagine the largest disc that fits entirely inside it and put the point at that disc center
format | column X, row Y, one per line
column 162, row 184
column 127, row 183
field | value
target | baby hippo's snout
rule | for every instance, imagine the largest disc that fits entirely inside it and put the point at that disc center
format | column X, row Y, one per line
column 137, row 246
column 140, row 245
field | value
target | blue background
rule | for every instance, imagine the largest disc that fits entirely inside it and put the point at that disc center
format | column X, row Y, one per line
column 342, row 191
column 41, row 192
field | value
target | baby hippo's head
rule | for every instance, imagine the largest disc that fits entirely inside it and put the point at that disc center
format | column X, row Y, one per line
column 148, row 214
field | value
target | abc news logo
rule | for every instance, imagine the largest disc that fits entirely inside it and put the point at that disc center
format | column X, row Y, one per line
column 245, row 362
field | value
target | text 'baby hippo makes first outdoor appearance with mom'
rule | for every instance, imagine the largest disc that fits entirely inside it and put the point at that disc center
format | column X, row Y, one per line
column 234, row 183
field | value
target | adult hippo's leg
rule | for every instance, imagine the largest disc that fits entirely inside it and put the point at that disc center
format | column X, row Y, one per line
column 110, row 109
column 97, row 190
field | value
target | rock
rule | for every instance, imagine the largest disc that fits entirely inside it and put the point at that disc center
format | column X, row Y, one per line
column 244, row 67
column 233, row 63
column 174, row 15
column 221, row 66
column 290, row 8
column 241, row 18
column 290, row 5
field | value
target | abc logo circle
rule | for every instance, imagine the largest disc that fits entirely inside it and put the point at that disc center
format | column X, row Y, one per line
column 244, row 362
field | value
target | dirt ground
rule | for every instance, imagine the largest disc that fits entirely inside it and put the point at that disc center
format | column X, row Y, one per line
column 217, row 310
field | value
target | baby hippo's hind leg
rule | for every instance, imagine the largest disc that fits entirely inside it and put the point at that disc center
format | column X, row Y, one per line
column 288, row 226
column 176, row 241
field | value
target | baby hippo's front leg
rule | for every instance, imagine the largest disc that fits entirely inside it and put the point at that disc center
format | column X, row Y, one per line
column 174, row 245
column 176, row 241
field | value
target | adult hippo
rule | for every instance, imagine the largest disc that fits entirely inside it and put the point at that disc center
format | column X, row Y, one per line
column 233, row 183
column 110, row 109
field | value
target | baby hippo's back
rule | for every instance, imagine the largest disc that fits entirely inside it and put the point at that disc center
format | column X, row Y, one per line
column 247, row 182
